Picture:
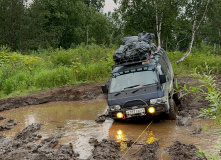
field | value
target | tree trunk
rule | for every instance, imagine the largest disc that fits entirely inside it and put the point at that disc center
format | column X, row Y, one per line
column 219, row 37
column 214, row 48
column 87, row 35
column 11, row 26
column 189, row 50
column 194, row 30
column 158, row 24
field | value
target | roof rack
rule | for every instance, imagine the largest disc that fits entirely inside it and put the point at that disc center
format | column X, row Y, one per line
column 135, row 61
column 136, row 49
column 131, row 63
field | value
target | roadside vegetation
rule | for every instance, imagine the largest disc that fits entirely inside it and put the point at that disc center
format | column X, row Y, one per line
column 22, row 74
column 42, row 69
column 208, row 89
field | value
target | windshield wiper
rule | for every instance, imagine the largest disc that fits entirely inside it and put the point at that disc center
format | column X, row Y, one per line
column 117, row 94
column 136, row 90
column 148, row 85
column 132, row 86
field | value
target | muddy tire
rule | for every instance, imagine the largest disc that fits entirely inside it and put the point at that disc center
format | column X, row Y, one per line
column 172, row 110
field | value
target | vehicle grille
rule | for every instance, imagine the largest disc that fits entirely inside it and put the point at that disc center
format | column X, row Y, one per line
column 134, row 103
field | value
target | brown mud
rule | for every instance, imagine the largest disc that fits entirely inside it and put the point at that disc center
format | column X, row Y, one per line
column 65, row 93
column 179, row 151
column 1, row 118
column 106, row 149
column 18, row 147
column 28, row 145
column 8, row 125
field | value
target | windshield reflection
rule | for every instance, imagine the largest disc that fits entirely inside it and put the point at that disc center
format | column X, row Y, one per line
column 137, row 79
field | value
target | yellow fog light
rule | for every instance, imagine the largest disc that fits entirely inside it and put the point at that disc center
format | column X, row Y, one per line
column 120, row 115
column 151, row 110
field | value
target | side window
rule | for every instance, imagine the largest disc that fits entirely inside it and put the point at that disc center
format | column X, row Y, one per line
column 168, row 63
column 164, row 67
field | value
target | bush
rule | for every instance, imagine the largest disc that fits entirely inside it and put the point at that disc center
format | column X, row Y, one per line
column 193, row 61
column 47, row 78
column 20, row 81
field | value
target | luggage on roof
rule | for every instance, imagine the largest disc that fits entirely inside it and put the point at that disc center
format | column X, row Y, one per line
column 135, row 48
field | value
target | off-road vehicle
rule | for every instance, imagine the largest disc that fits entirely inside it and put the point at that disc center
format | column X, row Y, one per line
column 141, row 83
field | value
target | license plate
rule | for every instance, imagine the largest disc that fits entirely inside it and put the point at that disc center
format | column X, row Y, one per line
column 135, row 111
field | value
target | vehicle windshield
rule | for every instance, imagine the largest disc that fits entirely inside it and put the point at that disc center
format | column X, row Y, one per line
column 132, row 80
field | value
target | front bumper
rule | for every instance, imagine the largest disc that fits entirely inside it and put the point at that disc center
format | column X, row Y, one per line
column 159, row 109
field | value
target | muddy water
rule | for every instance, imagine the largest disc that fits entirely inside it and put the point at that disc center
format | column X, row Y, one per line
column 76, row 121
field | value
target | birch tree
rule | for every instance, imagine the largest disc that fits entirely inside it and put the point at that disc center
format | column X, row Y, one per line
column 198, row 10
column 148, row 15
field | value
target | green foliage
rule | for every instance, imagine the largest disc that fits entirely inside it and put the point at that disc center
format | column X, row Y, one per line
column 208, row 89
column 16, row 59
column 199, row 60
column 43, row 24
column 82, row 54
column 48, row 78
column 51, row 68
column 205, row 154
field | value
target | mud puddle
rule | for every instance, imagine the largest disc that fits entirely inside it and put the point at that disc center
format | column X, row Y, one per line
column 166, row 133
column 76, row 121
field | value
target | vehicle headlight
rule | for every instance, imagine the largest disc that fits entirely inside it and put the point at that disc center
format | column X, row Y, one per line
column 158, row 100
column 115, row 107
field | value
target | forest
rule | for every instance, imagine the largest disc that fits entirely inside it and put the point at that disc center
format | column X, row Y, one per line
column 42, row 24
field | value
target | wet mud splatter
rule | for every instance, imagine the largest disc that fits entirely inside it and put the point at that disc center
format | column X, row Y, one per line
column 8, row 125
column 196, row 131
column 1, row 118
column 18, row 147
column 149, row 151
column 106, row 149
column 179, row 151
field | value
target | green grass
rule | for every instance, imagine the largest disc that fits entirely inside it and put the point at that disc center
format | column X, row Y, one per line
column 36, row 70
column 50, row 68
column 198, row 61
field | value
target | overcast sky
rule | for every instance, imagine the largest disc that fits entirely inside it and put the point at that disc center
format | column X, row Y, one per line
column 109, row 6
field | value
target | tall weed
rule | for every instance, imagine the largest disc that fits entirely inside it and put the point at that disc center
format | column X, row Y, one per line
column 207, row 88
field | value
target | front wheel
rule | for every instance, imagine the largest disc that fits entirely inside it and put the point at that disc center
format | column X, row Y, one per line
column 173, row 110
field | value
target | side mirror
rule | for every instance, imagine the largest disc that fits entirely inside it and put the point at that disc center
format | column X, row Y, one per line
column 104, row 89
column 162, row 79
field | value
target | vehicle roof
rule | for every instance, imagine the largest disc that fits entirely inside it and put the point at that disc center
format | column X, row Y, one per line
column 128, row 67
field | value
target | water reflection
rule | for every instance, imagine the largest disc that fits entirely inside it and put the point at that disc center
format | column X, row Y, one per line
column 151, row 138
column 121, row 138
column 30, row 119
column 165, row 131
